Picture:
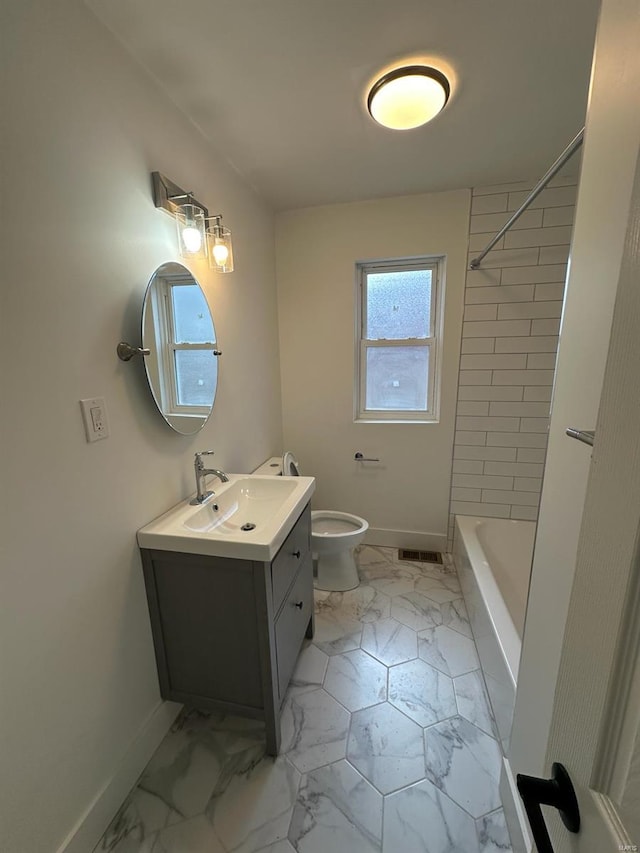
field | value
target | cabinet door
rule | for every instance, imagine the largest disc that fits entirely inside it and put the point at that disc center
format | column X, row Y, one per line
column 290, row 557
column 209, row 627
column 292, row 624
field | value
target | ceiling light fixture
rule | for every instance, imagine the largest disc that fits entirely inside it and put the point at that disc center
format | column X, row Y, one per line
column 199, row 235
column 408, row 97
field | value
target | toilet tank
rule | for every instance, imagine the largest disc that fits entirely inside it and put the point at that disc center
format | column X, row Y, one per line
column 270, row 466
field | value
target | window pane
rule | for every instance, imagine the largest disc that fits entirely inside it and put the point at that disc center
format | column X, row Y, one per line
column 398, row 305
column 191, row 316
column 397, row 378
column 196, row 377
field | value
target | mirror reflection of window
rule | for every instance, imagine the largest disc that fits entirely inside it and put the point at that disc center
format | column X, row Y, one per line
column 192, row 344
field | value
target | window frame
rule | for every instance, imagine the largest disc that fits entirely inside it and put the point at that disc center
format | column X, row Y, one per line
column 435, row 263
column 168, row 346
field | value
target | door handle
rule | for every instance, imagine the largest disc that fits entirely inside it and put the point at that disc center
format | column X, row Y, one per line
column 557, row 792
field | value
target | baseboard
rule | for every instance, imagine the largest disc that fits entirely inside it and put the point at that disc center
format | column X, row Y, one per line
column 91, row 826
column 406, row 539
column 513, row 812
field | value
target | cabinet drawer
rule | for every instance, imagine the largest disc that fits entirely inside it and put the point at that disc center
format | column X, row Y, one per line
column 292, row 623
column 290, row 557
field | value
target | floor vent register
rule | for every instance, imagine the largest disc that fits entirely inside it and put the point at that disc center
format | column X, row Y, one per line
column 420, row 556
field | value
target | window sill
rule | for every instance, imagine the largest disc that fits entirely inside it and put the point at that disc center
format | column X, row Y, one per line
column 398, row 421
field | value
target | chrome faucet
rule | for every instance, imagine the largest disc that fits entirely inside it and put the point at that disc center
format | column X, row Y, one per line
column 201, row 473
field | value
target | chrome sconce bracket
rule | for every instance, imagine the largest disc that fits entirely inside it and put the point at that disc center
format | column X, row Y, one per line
column 164, row 191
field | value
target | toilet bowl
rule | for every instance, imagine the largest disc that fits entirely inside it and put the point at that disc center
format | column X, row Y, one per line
column 334, row 535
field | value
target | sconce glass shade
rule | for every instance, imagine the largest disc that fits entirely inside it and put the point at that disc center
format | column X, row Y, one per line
column 220, row 247
column 408, row 97
column 190, row 220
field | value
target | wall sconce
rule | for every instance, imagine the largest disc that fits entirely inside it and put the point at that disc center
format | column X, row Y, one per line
column 199, row 235
column 219, row 246
column 190, row 221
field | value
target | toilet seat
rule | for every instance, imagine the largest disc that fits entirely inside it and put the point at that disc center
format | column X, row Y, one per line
column 336, row 525
column 290, row 467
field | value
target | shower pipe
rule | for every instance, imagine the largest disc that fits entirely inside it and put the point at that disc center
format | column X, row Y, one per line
column 568, row 152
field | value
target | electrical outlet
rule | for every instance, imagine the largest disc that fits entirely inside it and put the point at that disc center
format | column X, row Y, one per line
column 94, row 415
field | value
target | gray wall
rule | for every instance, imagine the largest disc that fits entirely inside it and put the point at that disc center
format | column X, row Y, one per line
column 405, row 497
column 84, row 128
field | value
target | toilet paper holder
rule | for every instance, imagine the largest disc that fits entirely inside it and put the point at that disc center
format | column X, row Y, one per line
column 360, row 458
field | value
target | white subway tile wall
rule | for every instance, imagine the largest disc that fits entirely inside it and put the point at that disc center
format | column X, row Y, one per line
column 509, row 343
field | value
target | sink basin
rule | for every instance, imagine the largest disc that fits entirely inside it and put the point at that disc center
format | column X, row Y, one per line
column 248, row 501
column 247, row 518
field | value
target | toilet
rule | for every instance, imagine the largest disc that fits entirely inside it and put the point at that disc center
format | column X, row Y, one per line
column 334, row 535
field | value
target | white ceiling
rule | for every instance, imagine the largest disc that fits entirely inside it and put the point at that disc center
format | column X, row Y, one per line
column 278, row 87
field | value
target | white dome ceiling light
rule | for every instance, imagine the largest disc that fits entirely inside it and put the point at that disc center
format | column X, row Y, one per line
column 408, row 97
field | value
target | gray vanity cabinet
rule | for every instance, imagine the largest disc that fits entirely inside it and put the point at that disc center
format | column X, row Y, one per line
column 227, row 633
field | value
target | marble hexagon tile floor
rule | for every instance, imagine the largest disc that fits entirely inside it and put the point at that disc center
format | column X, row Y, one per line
column 388, row 742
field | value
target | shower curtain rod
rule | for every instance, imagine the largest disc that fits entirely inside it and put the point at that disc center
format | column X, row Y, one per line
column 568, row 152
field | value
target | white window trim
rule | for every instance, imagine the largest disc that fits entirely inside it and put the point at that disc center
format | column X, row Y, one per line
column 434, row 341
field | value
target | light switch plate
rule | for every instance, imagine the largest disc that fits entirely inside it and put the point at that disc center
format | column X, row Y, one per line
column 94, row 415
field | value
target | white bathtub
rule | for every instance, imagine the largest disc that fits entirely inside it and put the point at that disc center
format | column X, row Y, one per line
column 493, row 559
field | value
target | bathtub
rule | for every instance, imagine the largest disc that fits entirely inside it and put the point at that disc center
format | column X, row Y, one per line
column 493, row 559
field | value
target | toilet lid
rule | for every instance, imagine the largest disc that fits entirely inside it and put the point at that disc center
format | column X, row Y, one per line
column 290, row 467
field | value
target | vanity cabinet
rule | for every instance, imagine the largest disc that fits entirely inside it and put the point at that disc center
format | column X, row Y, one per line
column 227, row 632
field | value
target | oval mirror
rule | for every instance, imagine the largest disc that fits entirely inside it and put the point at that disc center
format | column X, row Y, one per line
column 182, row 365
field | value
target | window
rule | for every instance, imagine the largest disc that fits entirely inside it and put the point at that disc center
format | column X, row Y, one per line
column 186, row 341
column 399, row 327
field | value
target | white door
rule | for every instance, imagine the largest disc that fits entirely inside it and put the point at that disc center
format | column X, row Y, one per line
column 578, row 699
column 595, row 726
